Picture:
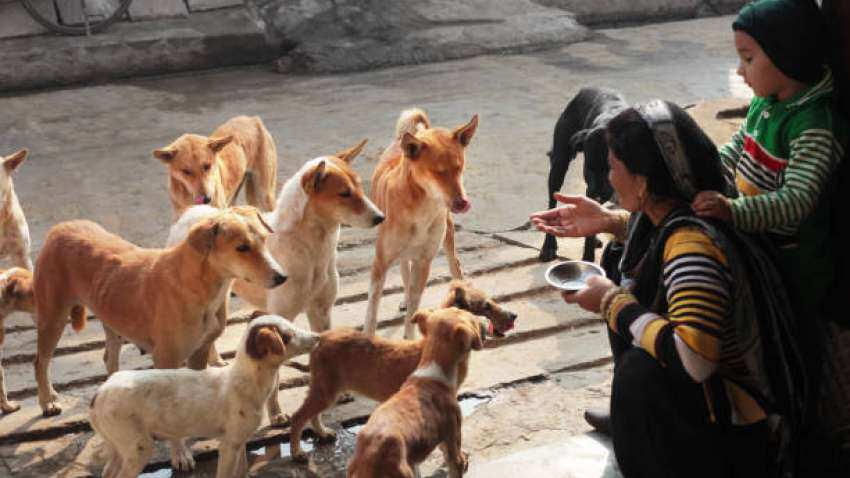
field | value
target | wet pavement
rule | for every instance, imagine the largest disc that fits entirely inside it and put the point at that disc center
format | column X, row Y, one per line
column 91, row 158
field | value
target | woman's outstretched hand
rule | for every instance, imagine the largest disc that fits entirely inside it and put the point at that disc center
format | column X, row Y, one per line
column 580, row 216
column 590, row 297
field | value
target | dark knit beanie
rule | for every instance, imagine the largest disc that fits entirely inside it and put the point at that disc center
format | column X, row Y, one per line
column 791, row 33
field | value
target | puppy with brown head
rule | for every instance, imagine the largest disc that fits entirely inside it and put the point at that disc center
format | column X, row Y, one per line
column 210, row 170
column 382, row 365
column 162, row 300
column 14, row 231
column 424, row 413
column 15, row 296
column 418, row 184
column 133, row 407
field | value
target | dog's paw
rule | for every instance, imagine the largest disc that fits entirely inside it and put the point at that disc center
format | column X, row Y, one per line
column 182, row 459
column 325, row 436
column 547, row 254
column 463, row 460
column 279, row 420
column 299, row 457
column 9, row 407
column 51, row 410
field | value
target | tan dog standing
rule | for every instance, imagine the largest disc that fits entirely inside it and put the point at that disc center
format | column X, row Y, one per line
column 418, row 184
column 382, row 365
column 158, row 299
column 323, row 194
column 211, row 170
column 14, row 231
column 133, row 408
column 15, row 296
column 424, row 413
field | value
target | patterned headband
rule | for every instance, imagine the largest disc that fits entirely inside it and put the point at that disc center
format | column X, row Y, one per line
column 658, row 117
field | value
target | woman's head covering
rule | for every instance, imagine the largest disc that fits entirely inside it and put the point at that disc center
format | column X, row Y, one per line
column 791, row 33
column 659, row 118
column 660, row 141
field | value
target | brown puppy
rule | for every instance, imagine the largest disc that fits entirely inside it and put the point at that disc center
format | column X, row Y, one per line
column 418, row 184
column 163, row 300
column 15, row 296
column 210, row 170
column 382, row 365
column 424, row 413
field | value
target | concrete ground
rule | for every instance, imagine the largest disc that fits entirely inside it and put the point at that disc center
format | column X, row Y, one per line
column 90, row 158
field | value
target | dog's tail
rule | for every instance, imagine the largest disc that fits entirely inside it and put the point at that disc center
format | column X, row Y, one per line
column 78, row 317
column 411, row 121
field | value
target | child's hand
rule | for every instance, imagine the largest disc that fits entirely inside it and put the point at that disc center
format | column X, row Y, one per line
column 712, row 204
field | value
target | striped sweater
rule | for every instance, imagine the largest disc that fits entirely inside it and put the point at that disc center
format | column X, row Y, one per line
column 782, row 158
column 693, row 334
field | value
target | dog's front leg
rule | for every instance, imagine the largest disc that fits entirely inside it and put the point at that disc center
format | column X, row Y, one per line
column 181, row 456
column 419, row 270
column 456, row 459
column 276, row 416
column 449, row 247
column 228, row 458
column 112, row 350
column 5, row 405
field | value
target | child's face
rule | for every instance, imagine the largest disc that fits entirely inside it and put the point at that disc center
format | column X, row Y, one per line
column 757, row 69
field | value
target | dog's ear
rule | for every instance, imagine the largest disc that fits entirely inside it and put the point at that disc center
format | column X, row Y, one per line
column 166, row 155
column 14, row 160
column 264, row 223
column 411, row 146
column 202, row 236
column 457, row 296
column 349, row 154
column 467, row 339
column 313, row 180
column 420, row 319
column 463, row 134
column 216, row 144
column 263, row 340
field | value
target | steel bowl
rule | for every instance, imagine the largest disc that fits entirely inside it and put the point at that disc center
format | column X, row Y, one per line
column 572, row 275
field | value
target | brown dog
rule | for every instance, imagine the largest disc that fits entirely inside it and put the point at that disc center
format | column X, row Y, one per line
column 15, row 296
column 382, row 365
column 162, row 300
column 424, row 413
column 210, row 170
column 418, row 184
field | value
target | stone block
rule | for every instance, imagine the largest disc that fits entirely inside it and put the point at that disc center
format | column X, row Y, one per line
column 141, row 10
column 15, row 21
column 202, row 5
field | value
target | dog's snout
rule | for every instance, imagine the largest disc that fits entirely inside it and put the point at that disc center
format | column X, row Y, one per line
column 460, row 205
column 278, row 279
column 512, row 316
column 207, row 199
column 379, row 218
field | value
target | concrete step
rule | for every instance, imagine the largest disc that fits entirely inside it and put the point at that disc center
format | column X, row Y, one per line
column 584, row 456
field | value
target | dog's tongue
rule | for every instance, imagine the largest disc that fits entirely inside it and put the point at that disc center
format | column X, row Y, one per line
column 199, row 199
column 490, row 329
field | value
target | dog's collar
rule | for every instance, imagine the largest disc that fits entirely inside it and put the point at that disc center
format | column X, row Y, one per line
column 658, row 117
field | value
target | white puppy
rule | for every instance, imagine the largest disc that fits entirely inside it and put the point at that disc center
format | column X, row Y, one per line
column 14, row 231
column 132, row 407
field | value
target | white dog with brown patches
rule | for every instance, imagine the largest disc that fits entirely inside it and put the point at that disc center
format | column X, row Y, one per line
column 418, row 184
column 325, row 193
column 14, row 231
column 133, row 407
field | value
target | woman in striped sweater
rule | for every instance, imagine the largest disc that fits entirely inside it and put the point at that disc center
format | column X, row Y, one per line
column 686, row 397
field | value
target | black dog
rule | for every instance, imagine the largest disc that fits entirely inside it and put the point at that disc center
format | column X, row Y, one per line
column 581, row 127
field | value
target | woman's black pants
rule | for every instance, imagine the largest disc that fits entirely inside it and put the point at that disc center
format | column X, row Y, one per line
column 661, row 425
